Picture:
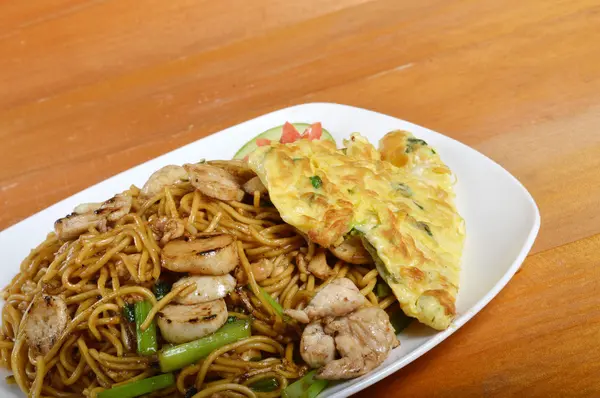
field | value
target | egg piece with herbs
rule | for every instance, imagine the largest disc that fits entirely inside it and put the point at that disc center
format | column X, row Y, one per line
column 399, row 199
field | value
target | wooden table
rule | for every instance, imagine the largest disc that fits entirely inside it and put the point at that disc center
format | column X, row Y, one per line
column 91, row 88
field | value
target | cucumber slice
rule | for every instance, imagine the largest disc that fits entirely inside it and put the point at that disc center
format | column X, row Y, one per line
column 274, row 134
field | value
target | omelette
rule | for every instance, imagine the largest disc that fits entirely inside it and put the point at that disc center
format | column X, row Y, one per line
column 398, row 199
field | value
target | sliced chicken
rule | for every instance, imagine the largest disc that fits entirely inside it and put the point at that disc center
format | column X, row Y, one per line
column 183, row 323
column 237, row 168
column 338, row 298
column 162, row 178
column 261, row 270
column 116, row 207
column 46, row 319
column 91, row 215
column 166, row 228
column 216, row 255
column 87, row 208
column 214, row 182
column 254, row 184
column 279, row 267
column 363, row 339
column 208, row 288
column 73, row 225
column 316, row 347
column 352, row 251
column 318, row 265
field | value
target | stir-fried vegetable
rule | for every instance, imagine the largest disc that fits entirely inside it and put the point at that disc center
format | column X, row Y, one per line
column 316, row 181
column 399, row 320
column 161, row 289
column 129, row 312
column 268, row 298
column 382, row 289
column 178, row 356
column 265, row 385
column 139, row 387
column 306, row 387
column 146, row 340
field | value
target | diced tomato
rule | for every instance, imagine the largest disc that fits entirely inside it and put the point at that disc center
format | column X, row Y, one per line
column 262, row 142
column 314, row 132
column 246, row 158
column 289, row 134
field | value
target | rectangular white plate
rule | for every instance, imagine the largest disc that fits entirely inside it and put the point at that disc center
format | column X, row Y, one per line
column 501, row 216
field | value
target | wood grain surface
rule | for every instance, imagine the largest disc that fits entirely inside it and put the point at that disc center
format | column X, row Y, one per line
column 92, row 88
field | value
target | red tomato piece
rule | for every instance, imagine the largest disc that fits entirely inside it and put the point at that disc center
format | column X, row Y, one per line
column 262, row 142
column 314, row 132
column 289, row 134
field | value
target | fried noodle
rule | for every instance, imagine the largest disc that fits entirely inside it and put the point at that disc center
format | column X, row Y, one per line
column 100, row 271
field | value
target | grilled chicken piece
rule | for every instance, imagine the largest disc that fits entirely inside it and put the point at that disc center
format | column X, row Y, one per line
column 363, row 339
column 237, row 168
column 316, row 347
column 352, row 251
column 318, row 265
column 338, row 298
column 90, row 215
column 166, row 228
column 216, row 255
column 73, row 225
column 45, row 320
column 254, row 184
column 116, row 207
column 183, row 323
column 214, row 182
column 162, row 178
column 208, row 288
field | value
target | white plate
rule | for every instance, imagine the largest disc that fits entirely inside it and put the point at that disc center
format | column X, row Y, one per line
column 501, row 216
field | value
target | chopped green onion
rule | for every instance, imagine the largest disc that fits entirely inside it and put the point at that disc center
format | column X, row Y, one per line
column 316, row 181
column 306, row 387
column 425, row 227
column 178, row 356
column 146, row 340
column 161, row 289
column 316, row 388
column 399, row 320
column 129, row 312
column 418, row 141
column 411, row 142
column 418, row 205
column 382, row 289
column 268, row 298
column 403, row 189
column 265, row 385
column 139, row 387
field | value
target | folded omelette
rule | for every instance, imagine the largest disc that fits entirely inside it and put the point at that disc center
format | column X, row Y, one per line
column 399, row 199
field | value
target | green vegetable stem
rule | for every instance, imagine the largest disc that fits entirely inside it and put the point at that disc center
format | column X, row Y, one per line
column 306, row 387
column 161, row 289
column 139, row 387
column 176, row 357
column 146, row 340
